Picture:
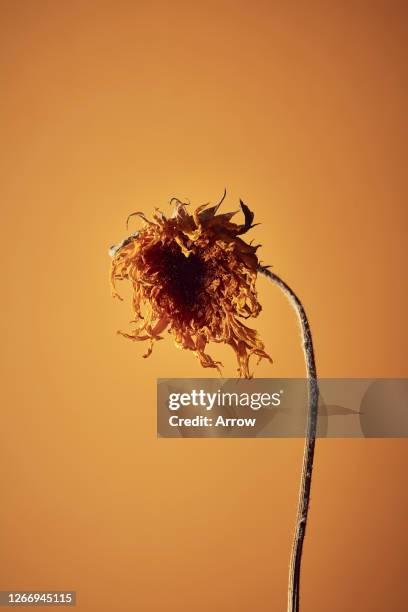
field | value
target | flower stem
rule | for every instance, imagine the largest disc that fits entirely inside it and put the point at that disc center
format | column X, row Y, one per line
column 310, row 440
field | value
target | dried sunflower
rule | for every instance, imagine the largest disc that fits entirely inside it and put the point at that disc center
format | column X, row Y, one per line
column 193, row 275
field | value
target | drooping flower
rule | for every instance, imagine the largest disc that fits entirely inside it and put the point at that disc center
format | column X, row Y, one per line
column 194, row 276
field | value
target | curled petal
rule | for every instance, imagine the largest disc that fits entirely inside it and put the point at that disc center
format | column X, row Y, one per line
column 142, row 216
column 207, row 214
column 249, row 217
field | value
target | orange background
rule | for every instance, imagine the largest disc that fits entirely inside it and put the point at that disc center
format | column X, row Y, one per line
column 111, row 107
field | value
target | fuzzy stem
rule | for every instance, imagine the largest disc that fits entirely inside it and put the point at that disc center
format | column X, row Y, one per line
column 310, row 440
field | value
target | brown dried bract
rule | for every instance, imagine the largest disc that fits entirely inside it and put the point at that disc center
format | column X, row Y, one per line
column 193, row 275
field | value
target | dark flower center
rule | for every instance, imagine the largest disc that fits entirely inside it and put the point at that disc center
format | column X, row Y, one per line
column 182, row 279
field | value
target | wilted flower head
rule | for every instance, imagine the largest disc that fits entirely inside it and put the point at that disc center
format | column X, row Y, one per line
column 193, row 275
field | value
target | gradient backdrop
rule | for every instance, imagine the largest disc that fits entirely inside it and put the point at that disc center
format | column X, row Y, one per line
column 299, row 108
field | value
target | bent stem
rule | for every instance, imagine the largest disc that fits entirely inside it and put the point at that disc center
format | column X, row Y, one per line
column 310, row 440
